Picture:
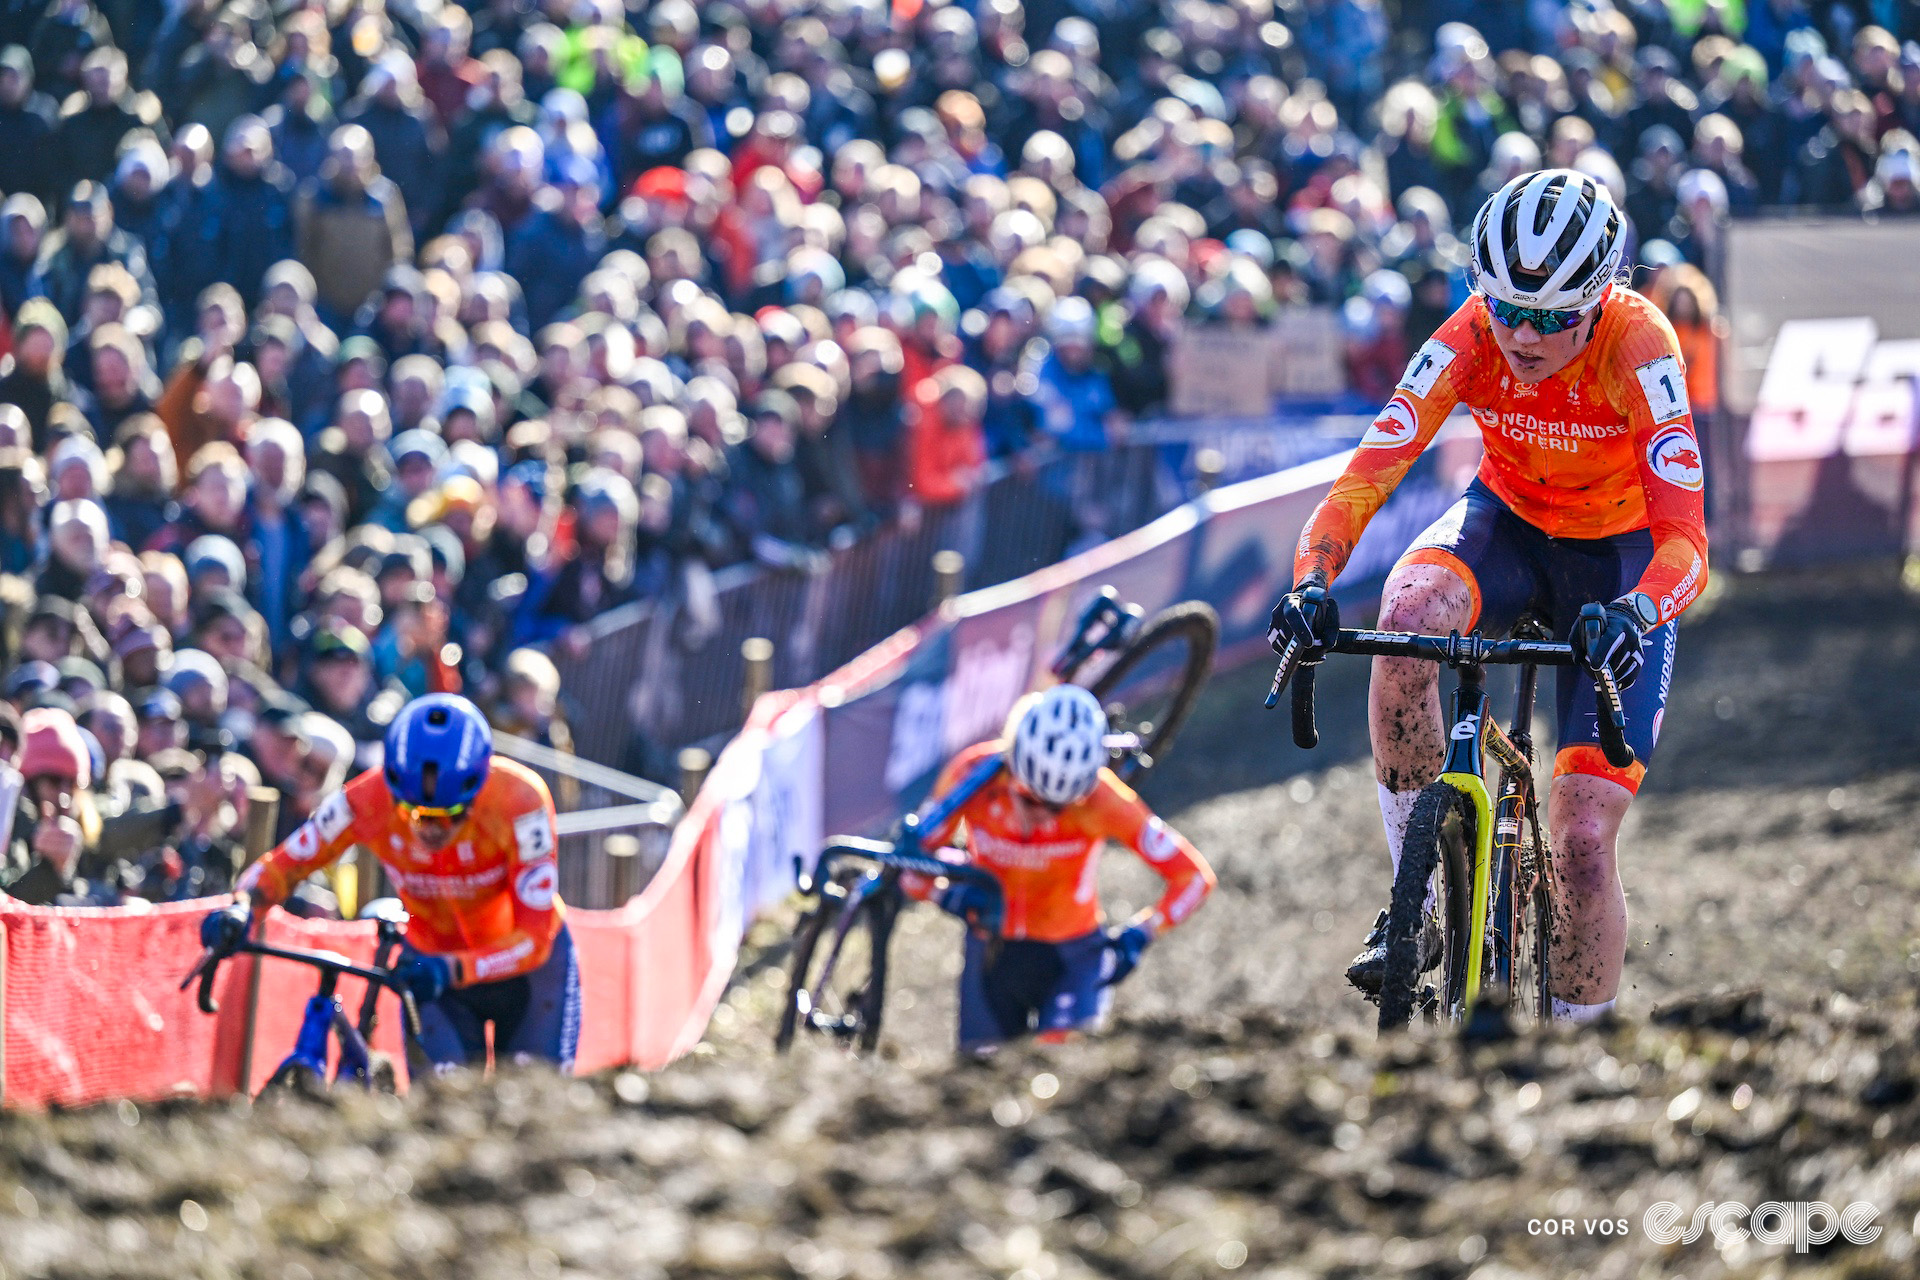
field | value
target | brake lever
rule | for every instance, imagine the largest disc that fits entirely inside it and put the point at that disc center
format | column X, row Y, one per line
column 1280, row 675
column 206, row 971
column 1612, row 721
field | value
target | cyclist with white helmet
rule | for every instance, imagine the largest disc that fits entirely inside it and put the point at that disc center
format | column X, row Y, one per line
column 468, row 840
column 1587, row 513
column 1039, row 826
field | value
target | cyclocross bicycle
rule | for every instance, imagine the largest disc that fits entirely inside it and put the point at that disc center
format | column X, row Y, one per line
column 1494, row 904
column 306, row 1069
column 1148, row 673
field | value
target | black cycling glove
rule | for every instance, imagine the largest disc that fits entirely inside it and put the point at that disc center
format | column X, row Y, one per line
column 1609, row 636
column 1309, row 615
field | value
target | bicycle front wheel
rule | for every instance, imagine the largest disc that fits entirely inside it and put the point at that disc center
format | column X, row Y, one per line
column 1432, row 891
column 836, row 982
column 1152, row 687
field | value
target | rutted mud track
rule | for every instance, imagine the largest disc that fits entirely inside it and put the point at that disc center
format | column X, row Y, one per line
column 1239, row 1119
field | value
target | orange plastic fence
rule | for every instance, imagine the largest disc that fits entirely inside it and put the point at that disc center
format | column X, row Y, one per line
column 90, row 1007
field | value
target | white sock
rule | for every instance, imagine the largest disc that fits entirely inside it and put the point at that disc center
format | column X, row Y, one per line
column 1567, row 1011
column 1396, row 809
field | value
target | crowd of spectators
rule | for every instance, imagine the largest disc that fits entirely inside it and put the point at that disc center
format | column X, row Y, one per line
column 360, row 348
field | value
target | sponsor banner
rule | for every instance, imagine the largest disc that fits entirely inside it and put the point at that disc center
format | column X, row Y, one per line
column 787, row 831
column 1819, row 363
column 1829, row 447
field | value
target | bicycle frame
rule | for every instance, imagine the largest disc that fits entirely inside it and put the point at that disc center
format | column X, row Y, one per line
column 325, row 1015
column 1465, row 771
column 1471, row 736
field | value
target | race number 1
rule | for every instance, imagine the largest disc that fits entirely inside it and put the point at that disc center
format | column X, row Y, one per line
column 1665, row 387
column 1428, row 363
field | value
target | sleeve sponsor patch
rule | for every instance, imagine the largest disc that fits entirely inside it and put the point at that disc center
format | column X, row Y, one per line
column 533, row 834
column 1674, row 456
column 1395, row 426
column 304, row 844
column 1665, row 387
column 537, row 884
column 1428, row 363
column 333, row 817
column 1157, row 842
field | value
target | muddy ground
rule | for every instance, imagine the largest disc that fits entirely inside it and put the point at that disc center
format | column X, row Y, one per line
column 1239, row 1119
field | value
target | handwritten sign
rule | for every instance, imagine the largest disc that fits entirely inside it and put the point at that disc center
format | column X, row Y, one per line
column 1214, row 370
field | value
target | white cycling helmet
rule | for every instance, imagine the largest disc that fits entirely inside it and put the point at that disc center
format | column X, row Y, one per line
column 1552, row 240
column 1059, row 744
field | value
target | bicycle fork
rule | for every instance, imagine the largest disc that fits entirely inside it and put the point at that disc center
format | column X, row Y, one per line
column 1465, row 772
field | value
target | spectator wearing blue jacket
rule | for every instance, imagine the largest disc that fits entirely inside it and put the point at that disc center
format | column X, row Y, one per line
column 556, row 248
column 253, row 208
column 1072, row 398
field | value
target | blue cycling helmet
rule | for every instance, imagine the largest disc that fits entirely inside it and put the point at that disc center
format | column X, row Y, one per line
column 438, row 750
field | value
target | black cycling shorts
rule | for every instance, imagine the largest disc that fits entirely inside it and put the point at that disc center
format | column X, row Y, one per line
column 1513, row 569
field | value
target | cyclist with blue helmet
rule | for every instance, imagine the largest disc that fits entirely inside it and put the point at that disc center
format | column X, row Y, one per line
column 468, row 841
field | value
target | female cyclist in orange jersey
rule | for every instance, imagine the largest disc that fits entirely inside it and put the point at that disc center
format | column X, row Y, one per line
column 1587, row 512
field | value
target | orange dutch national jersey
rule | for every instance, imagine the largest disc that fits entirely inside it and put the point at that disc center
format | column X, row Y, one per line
column 1048, row 873
column 1604, row 447
column 488, row 901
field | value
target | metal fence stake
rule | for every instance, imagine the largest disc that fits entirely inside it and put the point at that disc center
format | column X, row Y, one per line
column 694, row 763
column 757, row 651
column 949, row 576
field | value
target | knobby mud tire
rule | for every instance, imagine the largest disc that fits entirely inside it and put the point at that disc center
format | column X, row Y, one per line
column 1193, row 624
column 1430, row 846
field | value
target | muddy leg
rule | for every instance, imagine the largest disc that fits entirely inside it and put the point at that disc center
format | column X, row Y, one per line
column 1590, row 909
column 1403, row 702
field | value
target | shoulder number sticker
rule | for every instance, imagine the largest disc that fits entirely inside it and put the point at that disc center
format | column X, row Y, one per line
column 1665, row 387
column 536, row 885
column 333, row 816
column 1674, row 456
column 1395, row 426
column 533, row 833
column 1428, row 363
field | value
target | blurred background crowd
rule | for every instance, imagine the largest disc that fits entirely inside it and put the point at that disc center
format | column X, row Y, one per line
column 355, row 349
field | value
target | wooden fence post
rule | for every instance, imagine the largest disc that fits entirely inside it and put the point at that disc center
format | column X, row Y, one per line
column 623, row 851
column 1208, row 466
column 263, row 814
column 694, row 763
column 949, row 575
column 758, row 653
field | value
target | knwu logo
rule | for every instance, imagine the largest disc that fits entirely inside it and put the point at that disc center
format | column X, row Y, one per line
column 1833, row 386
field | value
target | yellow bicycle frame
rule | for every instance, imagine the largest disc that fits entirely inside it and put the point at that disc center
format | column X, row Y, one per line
column 1465, row 773
column 1474, row 787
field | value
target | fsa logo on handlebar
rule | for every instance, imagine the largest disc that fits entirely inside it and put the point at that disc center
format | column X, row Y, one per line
column 1469, row 727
